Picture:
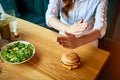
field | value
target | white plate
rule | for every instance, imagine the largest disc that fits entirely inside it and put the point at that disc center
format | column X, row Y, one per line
column 10, row 44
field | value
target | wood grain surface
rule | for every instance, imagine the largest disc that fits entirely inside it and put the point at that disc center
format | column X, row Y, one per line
column 46, row 64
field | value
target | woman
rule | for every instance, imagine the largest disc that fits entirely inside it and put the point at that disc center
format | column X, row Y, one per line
column 81, row 21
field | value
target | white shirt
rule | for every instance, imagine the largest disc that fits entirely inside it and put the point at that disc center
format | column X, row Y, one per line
column 91, row 11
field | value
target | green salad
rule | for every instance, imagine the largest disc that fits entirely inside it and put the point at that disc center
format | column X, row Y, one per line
column 17, row 52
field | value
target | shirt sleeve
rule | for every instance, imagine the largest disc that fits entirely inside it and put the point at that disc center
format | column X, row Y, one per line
column 52, row 10
column 101, row 17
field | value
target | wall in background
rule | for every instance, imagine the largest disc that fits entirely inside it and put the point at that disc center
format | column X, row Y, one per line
column 111, row 43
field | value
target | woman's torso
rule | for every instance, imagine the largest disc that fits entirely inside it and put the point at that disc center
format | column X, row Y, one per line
column 83, row 9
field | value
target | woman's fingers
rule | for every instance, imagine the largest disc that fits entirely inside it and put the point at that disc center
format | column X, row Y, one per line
column 77, row 27
column 63, row 40
column 66, row 44
column 82, row 25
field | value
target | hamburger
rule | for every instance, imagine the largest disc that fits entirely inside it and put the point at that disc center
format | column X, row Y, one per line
column 70, row 60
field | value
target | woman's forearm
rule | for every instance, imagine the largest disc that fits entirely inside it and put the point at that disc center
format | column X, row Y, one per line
column 57, row 24
column 93, row 35
column 76, row 28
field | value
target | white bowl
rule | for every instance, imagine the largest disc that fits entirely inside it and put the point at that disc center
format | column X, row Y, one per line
column 21, row 56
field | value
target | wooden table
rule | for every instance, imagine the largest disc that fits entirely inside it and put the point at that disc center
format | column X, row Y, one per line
column 46, row 64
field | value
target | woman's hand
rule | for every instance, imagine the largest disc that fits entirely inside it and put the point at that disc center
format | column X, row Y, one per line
column 77, row 28
column 70, row 41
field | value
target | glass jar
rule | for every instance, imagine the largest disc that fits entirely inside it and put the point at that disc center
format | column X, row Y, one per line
column 12, row 24
column 5, row 29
